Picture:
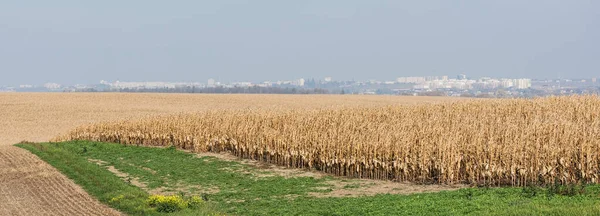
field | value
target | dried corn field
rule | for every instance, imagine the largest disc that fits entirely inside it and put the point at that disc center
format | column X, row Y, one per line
column 486, row 142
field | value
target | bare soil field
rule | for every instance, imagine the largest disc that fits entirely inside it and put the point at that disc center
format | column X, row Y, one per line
column 29, row 186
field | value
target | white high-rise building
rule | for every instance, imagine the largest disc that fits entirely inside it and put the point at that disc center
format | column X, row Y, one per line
column 298, row 82
column 507, row 83
column 522, row 83
column 211, row 83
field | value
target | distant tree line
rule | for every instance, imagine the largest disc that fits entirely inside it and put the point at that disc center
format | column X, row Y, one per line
column 218, row 90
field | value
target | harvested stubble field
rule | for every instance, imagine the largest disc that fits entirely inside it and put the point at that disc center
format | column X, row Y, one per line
column 29, row 186
column 493, row 142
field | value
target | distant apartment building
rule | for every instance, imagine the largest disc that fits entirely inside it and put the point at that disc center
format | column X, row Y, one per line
column 298, row 82
column 147, row 85
column 522, row 83
column 410, row 80
column 211, row 83
column 506, row 83
column 242, row 84
column 52, row 85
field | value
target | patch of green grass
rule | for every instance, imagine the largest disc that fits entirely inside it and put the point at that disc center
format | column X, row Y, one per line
column 239, row 189
column 72, row 160
column 99, row 182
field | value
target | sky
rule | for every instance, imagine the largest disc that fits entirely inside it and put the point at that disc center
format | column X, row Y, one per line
column 73, row 41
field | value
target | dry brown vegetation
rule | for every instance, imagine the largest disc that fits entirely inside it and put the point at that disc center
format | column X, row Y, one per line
column 29, row 186
column 491, row 142
column 38, row 117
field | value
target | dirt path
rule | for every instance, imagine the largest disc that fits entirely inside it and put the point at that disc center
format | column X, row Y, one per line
column 29, row 186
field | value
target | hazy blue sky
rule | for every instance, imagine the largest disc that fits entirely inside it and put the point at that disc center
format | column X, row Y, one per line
column 74, row 41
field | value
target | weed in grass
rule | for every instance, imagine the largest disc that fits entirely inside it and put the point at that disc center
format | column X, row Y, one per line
column 174, row 203
column 350, row 186
column 469, row 194
column 530, row 191
column 567, row 190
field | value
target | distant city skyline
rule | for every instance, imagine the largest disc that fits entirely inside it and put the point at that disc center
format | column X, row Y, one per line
column 323, row 78
column 213, row 81
column 72, row 42
column 455, row 86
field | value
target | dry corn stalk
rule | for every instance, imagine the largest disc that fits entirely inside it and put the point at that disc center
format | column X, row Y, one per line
column 490, row 142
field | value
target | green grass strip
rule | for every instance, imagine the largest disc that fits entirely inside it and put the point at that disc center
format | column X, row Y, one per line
column 96, row 180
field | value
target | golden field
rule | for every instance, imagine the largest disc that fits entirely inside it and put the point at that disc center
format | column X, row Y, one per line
column 484, row 142
column 41, row 116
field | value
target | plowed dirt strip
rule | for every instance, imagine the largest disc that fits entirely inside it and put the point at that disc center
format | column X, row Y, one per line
column 29, row 186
